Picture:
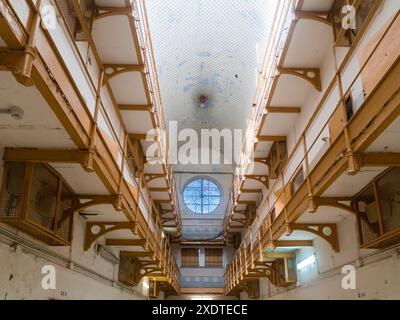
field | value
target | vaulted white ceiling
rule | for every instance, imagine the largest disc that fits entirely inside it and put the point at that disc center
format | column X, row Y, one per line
column 211, row 48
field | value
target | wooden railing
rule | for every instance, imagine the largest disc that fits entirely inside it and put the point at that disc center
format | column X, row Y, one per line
column 266, row 229
column 282, row 20
column 85, row 112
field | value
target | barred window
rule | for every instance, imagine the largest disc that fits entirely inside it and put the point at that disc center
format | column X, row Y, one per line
column 202, row 196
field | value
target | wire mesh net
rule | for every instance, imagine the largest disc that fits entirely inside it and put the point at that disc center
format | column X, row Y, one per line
column 65, row 214
column 13, row 190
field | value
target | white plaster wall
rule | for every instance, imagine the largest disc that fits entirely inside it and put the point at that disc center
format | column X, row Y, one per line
column 384, row 14
column 89, row 258
column 376, row 271
column 378, row 280
column 327, row 70
column 21, row 277
column 80, row 274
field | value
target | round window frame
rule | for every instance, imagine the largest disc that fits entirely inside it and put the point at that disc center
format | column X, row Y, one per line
column 204, row 178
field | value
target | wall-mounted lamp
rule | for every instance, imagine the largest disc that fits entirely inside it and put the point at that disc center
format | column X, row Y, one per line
column 15, row 112
column 106, row 254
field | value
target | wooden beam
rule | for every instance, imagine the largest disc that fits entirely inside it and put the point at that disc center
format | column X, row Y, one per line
column 263, row 161
column 263, row 179
column 160, row 190
column 256, row 274
column 283, row 110
column 250, row 190
column 93, row 200
column 262, row 138
column 311, row 75
column 334, row 202
column 19, row 62
column 290, row 243
column 112, row 11
column 115, row 9
column 163, row 201
column 311, row 13
column 135, row 107
column 246, row 202
column 143, row 136
column 46, row 156
column 331, row 234
column 125, row 242
column 114, row 70
column 137, row 254
column 320, row 16
column 381, row 159
column 152, row 176
column 104, row 227
column 279, row 255
column 126, row 67
column 148, row 264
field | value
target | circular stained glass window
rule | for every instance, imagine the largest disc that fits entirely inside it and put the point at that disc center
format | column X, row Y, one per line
column 202, row 196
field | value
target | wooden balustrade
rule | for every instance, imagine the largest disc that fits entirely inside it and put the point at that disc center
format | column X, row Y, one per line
column 296, row 201
column 48, row 71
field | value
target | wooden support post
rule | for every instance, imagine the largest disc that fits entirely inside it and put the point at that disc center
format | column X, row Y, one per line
column 311, row 201
column 284, row 199
column 352, row 162
column 245, row 259
column 94, row 125
column 260, row 246
column 251, row 249
column 24, row 70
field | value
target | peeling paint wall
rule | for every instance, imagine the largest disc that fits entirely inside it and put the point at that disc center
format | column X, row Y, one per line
column 21, row 278
column 79, row 274
column 375, row 281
